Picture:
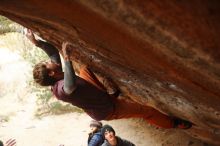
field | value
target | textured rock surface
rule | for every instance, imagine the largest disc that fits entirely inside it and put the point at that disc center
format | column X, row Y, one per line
column 161, row 53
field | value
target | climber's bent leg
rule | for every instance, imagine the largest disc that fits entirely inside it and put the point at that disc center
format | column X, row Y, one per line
column 125, row 109
column 160, row 120
column 89, row 76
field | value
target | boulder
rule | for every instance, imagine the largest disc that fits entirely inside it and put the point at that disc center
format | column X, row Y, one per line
column 165, row 54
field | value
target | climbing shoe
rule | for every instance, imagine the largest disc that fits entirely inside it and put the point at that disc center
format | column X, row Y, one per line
column 182, row 124
column 115, row 94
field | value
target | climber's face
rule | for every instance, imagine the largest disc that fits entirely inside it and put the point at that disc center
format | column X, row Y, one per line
column 51, row 66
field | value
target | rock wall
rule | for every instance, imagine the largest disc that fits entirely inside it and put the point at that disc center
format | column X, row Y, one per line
column 161, row 53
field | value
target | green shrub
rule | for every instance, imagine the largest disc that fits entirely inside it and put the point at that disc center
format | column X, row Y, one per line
column 4, row 118
column 7, row 25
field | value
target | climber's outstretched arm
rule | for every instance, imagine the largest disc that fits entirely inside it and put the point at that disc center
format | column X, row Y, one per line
column 48, row 48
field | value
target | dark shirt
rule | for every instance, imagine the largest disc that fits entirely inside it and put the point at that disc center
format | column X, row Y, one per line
column 120, row 142
column 95, row 139
column 95, row 102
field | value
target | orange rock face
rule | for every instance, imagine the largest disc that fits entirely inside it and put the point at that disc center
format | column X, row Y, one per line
column 161, row 53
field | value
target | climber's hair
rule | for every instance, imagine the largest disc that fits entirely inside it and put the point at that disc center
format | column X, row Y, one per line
column 41, row 75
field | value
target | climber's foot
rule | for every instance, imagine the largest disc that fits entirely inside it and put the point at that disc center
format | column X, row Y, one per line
column 182, row 124
column 115, row 94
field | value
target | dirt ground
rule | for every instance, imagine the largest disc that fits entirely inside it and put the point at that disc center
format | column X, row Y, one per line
column 72, row 129
column 17, row 118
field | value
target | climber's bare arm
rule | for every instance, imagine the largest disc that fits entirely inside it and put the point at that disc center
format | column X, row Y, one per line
column 48, row 48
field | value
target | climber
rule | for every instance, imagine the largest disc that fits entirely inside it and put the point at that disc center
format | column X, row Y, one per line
column 87, row 92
